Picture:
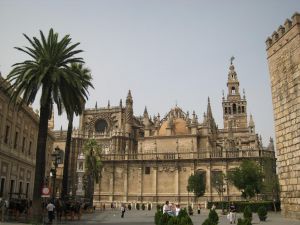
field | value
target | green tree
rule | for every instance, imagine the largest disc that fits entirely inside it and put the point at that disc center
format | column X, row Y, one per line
column 270, row 181
column 49, row 71
column 218, row 182
column 76, row 108
column 93, row 166
column 196, row 184
column 247, row 178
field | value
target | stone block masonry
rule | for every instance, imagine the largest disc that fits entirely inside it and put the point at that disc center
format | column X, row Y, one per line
column 283, row 50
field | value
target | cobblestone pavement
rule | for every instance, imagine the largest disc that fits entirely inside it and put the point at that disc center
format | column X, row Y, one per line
column 136, row 217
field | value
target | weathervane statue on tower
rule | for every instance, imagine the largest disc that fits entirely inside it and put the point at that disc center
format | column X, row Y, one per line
column 231, row 59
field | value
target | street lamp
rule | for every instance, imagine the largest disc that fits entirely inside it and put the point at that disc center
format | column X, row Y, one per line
column 56, row 158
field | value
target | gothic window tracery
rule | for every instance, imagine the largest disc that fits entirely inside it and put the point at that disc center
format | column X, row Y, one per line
column 100, row 125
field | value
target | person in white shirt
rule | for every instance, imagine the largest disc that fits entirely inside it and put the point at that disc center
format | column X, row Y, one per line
column 50, row 208
column 166, row 207
column 177, row 209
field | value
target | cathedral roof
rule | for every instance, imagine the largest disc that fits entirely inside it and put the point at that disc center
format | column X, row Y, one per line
column 178, row 123
column 179, row 127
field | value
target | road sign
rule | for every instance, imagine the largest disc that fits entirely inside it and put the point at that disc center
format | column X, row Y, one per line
column 45, row 192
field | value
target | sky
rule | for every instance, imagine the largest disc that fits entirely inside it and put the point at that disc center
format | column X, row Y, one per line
column 166, row 52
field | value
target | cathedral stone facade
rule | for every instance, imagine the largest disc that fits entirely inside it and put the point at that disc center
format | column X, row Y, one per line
column 284, row 65
column 150, row 159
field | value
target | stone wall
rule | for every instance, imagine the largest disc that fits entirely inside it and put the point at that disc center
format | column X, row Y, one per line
column 283, row 50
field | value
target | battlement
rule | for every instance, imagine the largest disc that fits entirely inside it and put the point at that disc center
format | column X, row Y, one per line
column 282, row 30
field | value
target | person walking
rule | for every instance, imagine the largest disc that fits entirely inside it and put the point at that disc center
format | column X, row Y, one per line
column 232, row 215
column 199, row 208
column 122, row 210
column 50, row 208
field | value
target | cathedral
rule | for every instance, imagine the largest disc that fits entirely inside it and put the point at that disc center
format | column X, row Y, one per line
column 149, row 160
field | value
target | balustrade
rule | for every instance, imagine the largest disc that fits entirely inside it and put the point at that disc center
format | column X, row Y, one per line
column 201, row 154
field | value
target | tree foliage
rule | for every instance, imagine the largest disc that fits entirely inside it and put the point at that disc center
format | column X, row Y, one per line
column 93, row 162
column 218, row 182
column 85, row 75
column 247, row 178
column 270, row 181
column 196, row 184
column 47, row 70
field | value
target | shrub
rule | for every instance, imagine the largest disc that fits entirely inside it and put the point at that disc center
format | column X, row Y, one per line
column 143, row 206
column 240, row 205
column 248, row 213
column 158, row 207
column 138, row 206
column 164, row 219
column 262, row 213
column 173, row 221
column 186, row 220
column 208, row 222
column 157, row 217
column 244, row 222
column 149, row 206
column 182, row 213
column 129, row 206
column 213, row 216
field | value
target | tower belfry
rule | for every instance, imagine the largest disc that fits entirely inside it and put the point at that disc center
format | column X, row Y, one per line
column 234, row 107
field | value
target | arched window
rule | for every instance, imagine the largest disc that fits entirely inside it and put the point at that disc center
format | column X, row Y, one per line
column 233, row 90
column 225, row 110
column 234, row 108
column 243, row 109
column 239, row 109
column 101, row 125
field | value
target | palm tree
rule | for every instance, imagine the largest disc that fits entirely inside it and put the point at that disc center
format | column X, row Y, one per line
column 93, row 166
column 70, row 110
column 48, row 70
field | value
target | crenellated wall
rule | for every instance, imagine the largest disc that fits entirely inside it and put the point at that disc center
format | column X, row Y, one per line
column 283, row 50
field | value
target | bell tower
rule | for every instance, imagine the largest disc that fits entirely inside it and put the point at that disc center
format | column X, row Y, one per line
column 234, row 106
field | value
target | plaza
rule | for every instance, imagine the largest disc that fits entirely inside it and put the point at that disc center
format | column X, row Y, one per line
column 140, row 217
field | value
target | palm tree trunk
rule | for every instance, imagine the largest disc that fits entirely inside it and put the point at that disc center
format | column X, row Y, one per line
column 40, row 159
column 64, row 191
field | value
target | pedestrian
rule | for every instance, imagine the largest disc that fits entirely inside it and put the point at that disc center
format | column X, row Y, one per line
column 213, row 207
column 199, row 208
column 231, row 216
column 50, row 208
column 177, row 210
column 166, row 207
column 122, row 210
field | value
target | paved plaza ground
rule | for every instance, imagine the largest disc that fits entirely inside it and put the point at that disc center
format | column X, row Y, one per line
column 136, row 217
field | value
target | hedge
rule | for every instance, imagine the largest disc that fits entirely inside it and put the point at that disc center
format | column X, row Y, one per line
column 240, row 206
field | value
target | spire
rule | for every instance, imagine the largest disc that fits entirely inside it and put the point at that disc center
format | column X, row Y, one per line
column 146, row 112
column 251, row 125
column 194, row 119
column 209, row 113
column 129, row 98
column 157, row 122
column 204, row 118
column 108, row 104
column 121, row 103
column 251, row 122
column 96, row 105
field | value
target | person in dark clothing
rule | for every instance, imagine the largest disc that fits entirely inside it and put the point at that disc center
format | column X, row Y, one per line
column 122, row 210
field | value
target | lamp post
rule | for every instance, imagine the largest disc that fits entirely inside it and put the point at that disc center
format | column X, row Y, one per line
column 56, row 160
